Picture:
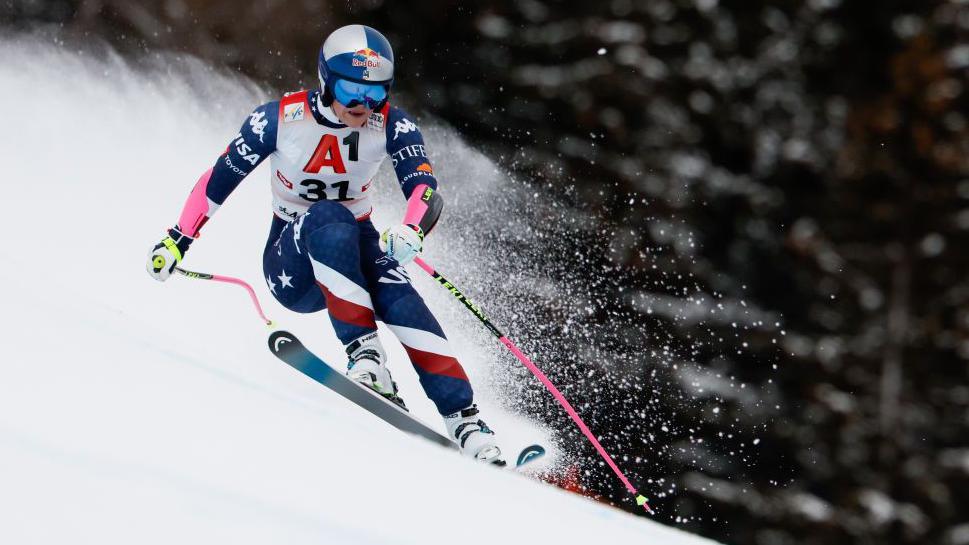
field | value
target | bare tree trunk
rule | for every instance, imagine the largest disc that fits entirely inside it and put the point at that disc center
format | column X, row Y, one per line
column 897, row 329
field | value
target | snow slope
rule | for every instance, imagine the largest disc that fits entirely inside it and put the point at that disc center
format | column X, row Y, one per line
column 139, row 412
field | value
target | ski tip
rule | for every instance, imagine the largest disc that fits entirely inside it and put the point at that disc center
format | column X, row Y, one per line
column 529, row 454
column 279, row 339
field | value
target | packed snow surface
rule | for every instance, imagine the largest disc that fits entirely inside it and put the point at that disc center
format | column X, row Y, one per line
column 138, row 412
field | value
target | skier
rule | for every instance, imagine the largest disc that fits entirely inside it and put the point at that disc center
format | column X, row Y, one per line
column 324, row 147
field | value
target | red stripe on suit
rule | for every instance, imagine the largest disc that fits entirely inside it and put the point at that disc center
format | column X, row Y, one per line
column 347, row 312
column 436, row 364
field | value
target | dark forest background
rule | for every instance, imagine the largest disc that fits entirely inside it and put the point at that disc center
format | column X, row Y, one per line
column 780, row 328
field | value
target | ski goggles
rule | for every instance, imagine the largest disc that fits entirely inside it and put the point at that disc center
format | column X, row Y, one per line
column 350, row 94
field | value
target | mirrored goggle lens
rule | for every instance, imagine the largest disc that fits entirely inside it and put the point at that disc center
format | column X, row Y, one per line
column 351, row 93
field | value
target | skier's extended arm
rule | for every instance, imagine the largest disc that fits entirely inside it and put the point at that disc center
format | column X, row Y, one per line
column 255, row 141
column 405, row 145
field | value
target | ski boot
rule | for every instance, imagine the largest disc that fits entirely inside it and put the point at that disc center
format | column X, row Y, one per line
column 473, row 436
column 367, row 367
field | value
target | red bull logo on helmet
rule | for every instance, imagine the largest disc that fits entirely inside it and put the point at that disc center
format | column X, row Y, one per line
column 366, row 58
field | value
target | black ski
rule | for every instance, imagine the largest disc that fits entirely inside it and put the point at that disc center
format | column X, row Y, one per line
column 288, row 348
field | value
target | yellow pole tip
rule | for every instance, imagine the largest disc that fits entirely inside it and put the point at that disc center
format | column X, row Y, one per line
column 640, row 500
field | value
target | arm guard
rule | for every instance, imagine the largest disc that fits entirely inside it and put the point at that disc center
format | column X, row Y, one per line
column 423, row 208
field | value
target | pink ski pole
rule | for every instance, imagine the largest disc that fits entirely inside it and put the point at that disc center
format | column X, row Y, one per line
column 228, row 280
column 476, row 310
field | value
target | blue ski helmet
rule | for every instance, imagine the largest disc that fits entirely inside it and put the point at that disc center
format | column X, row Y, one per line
column 356, row 66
